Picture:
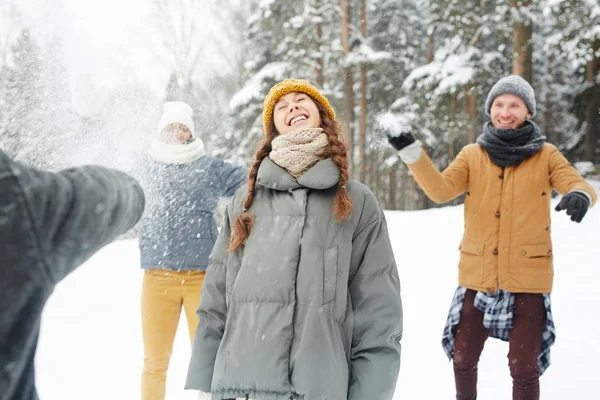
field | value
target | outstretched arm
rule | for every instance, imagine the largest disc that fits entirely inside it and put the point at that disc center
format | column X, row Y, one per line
column 440, row 187
column 231, row 177
column 77, row 211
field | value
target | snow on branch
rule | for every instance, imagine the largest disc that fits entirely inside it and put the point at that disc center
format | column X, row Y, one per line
column 253, row 90
column 447, row 73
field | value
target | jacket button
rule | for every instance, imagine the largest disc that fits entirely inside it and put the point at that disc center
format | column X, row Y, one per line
column 524, row 252
column 497, row 214
column 549, row 252
column 501, row 176
column 495, row 252
column 478, row 251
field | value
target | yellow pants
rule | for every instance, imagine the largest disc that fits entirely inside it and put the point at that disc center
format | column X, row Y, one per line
column 164, row 292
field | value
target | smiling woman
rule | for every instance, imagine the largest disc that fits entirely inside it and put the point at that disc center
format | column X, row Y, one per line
column 294, row 111
column 302, row 296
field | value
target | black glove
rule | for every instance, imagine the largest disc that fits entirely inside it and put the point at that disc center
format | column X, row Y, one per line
column 401, row 141
column 576, row 204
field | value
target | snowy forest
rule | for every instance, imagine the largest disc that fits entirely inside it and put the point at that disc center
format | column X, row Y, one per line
column 83, row 82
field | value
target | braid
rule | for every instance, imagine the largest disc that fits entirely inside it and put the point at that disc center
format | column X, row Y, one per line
column 244, row 221
column 338, row 152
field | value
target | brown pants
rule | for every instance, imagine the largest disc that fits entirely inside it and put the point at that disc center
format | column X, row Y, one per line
column 524, row 345
column 164, row 294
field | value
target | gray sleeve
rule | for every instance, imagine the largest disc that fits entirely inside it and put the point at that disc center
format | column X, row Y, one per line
column 375, row 294
column 231, row 177
column 211, row 313
column 77, row 211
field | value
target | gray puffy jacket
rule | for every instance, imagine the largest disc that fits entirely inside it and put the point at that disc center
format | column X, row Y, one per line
column 308, row 308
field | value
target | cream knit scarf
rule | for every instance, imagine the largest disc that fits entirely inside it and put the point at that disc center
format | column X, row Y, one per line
column 299, row 150
column 176, row 153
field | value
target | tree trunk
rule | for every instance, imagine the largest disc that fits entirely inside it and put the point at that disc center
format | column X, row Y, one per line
column 362, row 127
column 414, row 196
column 452, row 129
column 430, row 44
column 320, row 60
column 470, row 95
column 403, row 183
column 347, row 115
column 548, row 112
column 393, row 188
column 362, row 138
column 377, row 159
column 424, row 202
column 371, row 165
column 522, row 48
column 592, row 107
column 471, row 112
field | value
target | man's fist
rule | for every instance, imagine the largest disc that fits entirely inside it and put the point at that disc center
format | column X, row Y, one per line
column 576, row 204
column 401, row 141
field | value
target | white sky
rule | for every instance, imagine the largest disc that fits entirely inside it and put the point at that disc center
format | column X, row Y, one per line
column 106, row 44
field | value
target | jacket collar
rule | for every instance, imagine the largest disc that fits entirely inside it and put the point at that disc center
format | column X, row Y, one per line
column 323, row 175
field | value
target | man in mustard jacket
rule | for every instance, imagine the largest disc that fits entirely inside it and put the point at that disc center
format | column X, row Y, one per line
column 505, row 269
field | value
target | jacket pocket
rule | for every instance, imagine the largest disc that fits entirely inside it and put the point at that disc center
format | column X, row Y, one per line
column 471, row 262
column 535, row 258
column 330, row 272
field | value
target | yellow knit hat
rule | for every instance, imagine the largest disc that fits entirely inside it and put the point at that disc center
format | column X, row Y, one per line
column 289, row 86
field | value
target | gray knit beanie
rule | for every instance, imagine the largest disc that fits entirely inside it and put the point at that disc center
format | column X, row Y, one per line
column 512, row 84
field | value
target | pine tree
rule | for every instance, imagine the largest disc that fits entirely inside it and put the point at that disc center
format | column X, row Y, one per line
column 389, row 62
column 283, row 41
column 576, row 41
column 468, row 48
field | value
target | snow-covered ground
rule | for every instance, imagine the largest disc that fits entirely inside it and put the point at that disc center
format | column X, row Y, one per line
column 90, row 347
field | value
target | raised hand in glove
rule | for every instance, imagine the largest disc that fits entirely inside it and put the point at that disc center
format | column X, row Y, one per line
column 576, row 204
column 401, row 141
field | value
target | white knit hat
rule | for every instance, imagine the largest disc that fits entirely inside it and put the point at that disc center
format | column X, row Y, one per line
column 176, row 112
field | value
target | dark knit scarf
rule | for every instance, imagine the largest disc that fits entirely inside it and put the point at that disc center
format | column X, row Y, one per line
column 510, row 147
